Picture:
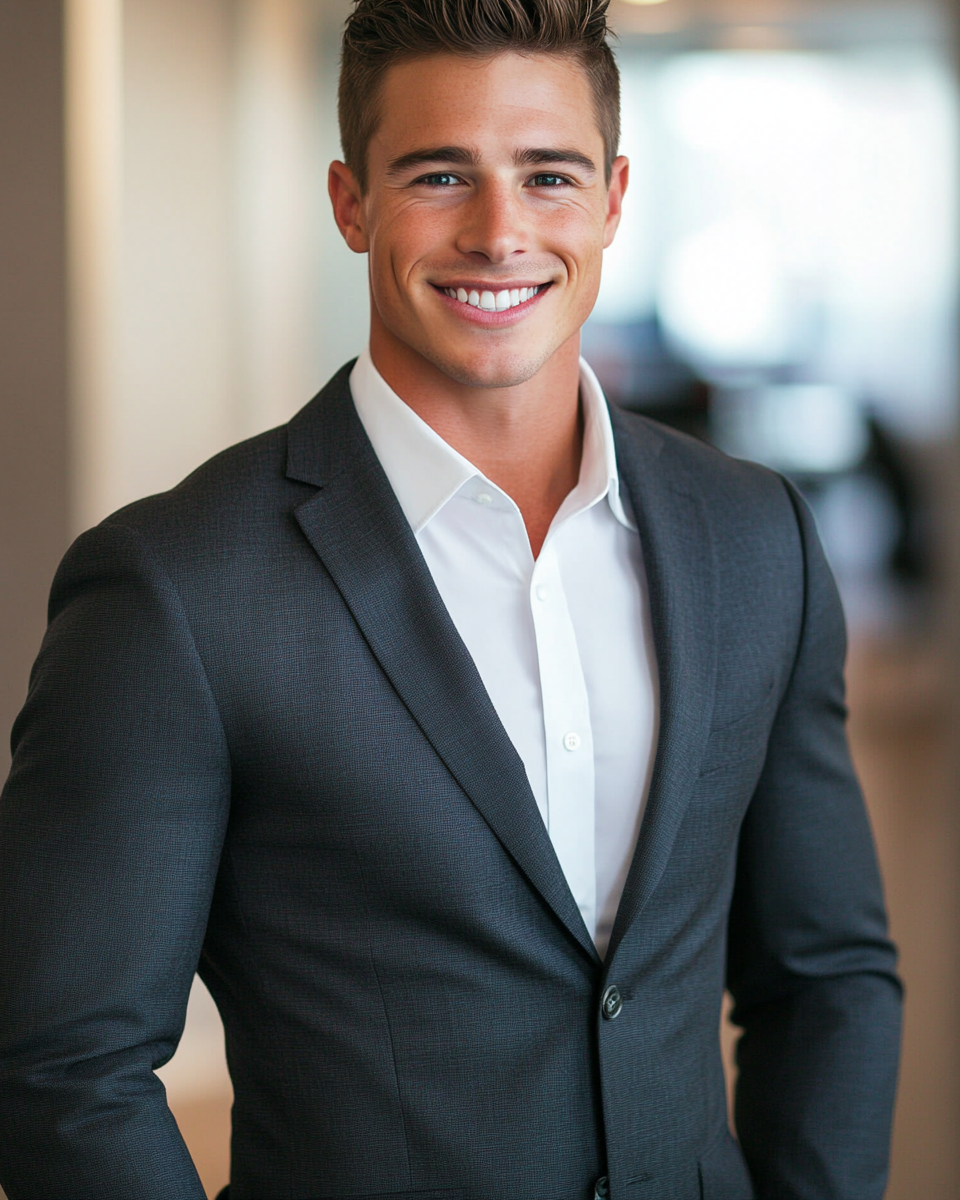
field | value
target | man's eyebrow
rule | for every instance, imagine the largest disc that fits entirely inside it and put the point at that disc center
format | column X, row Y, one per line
column 457, row 156
column 461, row 156
column 547, row 156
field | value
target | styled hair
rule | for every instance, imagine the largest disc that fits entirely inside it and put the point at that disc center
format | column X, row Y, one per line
column 378, row 34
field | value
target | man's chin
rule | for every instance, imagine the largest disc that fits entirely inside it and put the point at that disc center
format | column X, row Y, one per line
column 491, row 371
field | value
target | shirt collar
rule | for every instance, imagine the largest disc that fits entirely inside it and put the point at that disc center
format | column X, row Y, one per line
column 426, row 472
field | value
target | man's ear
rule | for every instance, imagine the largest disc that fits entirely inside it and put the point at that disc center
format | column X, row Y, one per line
column 347, row 207
column 619, row 178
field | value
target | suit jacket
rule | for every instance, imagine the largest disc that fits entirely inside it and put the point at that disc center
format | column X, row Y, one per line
column 254, row 740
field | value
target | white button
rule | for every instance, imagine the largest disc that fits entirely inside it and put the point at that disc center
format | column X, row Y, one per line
column 484, row 498
column 571, row 741
column 542, row 591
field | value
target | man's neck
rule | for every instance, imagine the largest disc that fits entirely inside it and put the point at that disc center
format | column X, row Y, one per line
column 527, row 439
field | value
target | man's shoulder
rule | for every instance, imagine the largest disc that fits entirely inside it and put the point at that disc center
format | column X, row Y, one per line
column 236, row 495
column 231, row 491
column 729, row 486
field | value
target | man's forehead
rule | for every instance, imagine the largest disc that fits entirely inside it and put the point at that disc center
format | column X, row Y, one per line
column 517, row 104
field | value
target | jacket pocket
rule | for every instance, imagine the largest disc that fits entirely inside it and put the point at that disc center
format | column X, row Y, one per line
column 723, row 1172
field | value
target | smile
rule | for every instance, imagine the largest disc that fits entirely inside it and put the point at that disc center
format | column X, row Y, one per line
column 494, row 301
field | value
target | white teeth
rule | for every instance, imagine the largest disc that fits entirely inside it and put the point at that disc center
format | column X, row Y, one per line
column 490, row 301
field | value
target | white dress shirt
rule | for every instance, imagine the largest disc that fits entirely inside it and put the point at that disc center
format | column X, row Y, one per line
column 562, row 643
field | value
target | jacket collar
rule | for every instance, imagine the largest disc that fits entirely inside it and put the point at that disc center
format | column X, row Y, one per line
column 358, row 528
column 356, row 525
column 679, row 547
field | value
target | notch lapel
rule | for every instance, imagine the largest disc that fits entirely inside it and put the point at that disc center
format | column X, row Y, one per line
column 356, row 526
column 678, row 553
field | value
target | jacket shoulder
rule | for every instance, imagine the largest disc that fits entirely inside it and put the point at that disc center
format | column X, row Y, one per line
column 728, row 485
column 232, row 486
column 257, row 479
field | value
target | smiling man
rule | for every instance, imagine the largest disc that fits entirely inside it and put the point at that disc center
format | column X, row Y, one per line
column 468, row 736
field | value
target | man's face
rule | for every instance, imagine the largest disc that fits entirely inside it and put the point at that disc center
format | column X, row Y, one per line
column 486, row 213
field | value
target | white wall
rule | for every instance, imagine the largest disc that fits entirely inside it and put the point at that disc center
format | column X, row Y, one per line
column 211, row 295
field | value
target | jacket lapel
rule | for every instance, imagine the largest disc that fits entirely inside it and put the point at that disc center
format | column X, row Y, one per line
column 356, row 526
column 678, row 552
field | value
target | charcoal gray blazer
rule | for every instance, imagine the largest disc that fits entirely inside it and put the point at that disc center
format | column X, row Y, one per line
column 255, row 745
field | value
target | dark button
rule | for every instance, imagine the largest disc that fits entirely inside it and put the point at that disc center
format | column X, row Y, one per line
column 601, row 1189
column 611, row 1003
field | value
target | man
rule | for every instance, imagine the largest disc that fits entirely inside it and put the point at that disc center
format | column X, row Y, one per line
column 467, row 734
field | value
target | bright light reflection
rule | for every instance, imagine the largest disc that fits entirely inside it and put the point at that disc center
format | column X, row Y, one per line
column 723, row 293
column 798, row 209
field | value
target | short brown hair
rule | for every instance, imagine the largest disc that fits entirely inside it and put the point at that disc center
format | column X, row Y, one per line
column 381, row 33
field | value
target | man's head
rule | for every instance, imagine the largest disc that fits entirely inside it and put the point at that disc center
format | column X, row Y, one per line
column 382, row 33
column 481, row 178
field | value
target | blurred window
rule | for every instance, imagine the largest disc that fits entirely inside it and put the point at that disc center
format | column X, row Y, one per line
column 792, row 217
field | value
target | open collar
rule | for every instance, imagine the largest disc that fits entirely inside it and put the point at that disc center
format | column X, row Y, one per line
column 425, row 472
column 362, row 536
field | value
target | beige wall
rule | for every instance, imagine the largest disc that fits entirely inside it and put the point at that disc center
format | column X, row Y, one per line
column 211, row 295
column 204, row 287
column 34, row 519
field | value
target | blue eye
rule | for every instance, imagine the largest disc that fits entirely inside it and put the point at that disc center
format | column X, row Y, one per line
column 441, row 179
column 548, row 181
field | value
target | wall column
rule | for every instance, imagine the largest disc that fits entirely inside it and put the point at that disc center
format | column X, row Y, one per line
column 34, row 489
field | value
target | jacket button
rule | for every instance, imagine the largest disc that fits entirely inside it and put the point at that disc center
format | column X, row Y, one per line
column 611, row 1003
column 601, row 1189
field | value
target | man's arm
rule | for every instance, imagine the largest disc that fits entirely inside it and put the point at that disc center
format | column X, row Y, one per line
column 111, row 826
column 810, row 966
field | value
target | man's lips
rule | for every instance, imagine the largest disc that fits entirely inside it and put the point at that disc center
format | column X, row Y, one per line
column 486, row 304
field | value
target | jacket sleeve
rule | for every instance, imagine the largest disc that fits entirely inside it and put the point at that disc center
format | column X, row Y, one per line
column 111, row 826
column 810, row 966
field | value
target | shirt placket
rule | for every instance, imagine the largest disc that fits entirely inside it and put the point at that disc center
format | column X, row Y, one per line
column 568, row 734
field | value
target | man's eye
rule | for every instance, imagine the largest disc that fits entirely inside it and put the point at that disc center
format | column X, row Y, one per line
column 441, row 179
column 548, row 181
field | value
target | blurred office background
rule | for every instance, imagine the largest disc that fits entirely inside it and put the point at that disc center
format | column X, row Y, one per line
column 784, row 285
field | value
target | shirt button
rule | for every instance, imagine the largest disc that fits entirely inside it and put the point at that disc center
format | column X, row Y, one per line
column 484, row 498
column 542, row 591
column 571, row 741
column 612, row 1003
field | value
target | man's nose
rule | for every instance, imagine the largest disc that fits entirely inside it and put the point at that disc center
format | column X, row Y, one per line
column 496, row 224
